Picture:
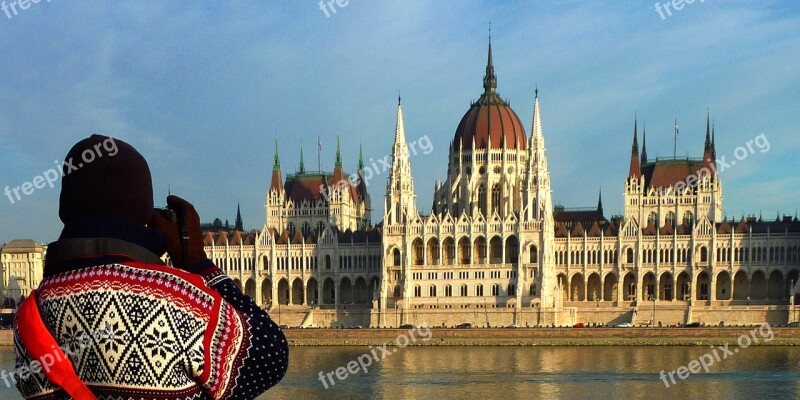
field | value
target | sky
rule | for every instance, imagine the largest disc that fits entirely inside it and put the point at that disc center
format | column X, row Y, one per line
column 204, row 89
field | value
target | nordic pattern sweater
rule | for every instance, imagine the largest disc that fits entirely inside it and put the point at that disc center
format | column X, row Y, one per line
column 136, row 330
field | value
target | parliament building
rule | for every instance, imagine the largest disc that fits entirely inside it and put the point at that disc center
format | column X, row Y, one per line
column 494, row 250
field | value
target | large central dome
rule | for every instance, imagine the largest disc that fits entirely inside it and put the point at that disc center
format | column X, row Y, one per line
column 490, row 122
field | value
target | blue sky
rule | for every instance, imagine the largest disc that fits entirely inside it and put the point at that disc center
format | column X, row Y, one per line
column 203, row 89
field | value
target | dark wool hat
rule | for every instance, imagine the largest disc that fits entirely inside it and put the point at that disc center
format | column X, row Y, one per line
column 104, row 176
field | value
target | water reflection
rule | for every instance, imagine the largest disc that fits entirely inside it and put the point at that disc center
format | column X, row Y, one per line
column 441, row 373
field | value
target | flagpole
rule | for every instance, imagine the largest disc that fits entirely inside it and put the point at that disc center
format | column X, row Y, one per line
column 675, row 142
column 319, row 164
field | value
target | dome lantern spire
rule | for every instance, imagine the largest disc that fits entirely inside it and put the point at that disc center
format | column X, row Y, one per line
column 490, row 79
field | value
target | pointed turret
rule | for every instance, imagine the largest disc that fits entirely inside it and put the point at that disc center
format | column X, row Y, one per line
column 708, row 150
column 644, row 145
column 536, row 194
column 338, row 154
column 360, row 157
column 338, row 174
column 713, row 141
column 400, row 197
column 600, row 202
column 302, row 169
column 276, row 183
column 239, row 224
column 536, row 124
column 489, row 79
column 636, row 167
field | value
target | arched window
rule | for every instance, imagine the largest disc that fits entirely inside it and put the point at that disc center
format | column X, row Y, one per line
column 533, row 289
column 512, row 290
column 671, row 218
column 629, row 255
column 495, row 289
column 479, row 290
column 306, row 229
column 496, row 199
column 448, row 291
column 464, row 290
column 291, row 229
column 652, row 218
column 432, row 291
column 320, row 227
column 534, row 254
column 688, row 218
column 417, row 291
column 396, row 254
column 482, row 199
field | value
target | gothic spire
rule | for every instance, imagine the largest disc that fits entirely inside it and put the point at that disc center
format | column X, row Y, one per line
column 360, row 157
column 489, row 79
column 713, row 140
column 644, row 144
column 338, row 153
column 276, row 163
column 536, row 125
column 636, row 168
column 302, row 164
column 239, row 224
column 600, row 202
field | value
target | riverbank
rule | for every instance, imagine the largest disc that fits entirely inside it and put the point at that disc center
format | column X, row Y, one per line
column 535, row 336
column 548, row 336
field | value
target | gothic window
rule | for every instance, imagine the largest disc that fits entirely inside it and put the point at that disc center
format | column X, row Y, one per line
column 688, row 218
column 306, row 229
column 482, row 199
column 496, row 198
column 652, row 218
column 671, row 218
column 291, row 229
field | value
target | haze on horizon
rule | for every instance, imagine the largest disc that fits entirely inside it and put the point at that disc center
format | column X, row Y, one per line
column 204, row 90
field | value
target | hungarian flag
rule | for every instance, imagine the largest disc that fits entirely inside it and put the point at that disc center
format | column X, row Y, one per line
column 319, row 144
column 677, row 131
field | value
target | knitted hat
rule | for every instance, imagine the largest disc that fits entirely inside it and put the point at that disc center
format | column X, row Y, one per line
column 104, row 176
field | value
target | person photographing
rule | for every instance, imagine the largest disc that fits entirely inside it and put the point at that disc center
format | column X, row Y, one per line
column 111, row 320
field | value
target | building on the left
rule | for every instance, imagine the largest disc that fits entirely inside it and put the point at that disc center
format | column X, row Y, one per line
column 22, row 262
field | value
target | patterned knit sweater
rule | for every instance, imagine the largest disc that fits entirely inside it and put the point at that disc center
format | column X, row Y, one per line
column 137, row 330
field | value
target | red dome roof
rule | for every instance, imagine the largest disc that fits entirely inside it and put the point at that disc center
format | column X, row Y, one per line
column 490, row 122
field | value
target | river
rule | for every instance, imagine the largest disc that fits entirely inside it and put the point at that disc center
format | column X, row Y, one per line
column 546, row 372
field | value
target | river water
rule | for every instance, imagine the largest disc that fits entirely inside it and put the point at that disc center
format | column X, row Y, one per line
column 585, row 372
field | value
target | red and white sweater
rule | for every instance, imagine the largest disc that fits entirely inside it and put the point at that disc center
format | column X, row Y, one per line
column 146, row 331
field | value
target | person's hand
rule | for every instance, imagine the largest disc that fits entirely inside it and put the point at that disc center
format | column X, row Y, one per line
column 194, row 253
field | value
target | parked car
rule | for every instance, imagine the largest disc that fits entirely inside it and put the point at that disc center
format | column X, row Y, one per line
column 512, row 326
column 465, row 325
column 624, row 325
column 794, row 324
column 406, row 326
column 579, row 325
column 284, row 326
column 692, row 325
column 355, row 327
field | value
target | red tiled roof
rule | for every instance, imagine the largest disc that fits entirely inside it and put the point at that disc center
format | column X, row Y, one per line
column 666, row 173
column 490, row 122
